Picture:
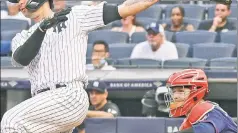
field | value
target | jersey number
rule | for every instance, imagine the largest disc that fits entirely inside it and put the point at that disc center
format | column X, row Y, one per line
column 59, row 26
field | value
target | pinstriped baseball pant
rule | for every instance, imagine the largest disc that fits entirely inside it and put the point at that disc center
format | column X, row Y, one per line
column 53, row 111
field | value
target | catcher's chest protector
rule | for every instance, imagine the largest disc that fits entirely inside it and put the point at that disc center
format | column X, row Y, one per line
column 197, row 114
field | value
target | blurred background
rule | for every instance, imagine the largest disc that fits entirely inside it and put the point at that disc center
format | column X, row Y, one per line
column 134, row 56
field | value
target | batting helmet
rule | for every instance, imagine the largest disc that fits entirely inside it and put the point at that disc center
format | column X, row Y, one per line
column 196, row 81
column 33, row 5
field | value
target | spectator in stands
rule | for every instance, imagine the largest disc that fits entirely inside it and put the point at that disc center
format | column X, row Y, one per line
column 100, row 106
column 129, row 26
column 14, row 12
column 177, row 22
column 59, row 5
column 100, row 54
column 156, row 47
column 220, row 23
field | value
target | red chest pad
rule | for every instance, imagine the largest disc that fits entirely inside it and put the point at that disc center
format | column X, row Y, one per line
column 196, row 114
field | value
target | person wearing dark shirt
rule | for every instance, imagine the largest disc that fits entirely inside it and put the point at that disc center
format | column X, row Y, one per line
column 100, row 106
column 177, row 21
column 220, row 23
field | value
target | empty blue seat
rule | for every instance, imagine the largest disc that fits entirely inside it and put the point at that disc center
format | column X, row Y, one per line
column 169, row 35
column 140, row 125
column 116, row 23
column 138, row 37
column 191, row 11
column 211, row 10
column 5, row 47
column 89, row 50
column 226, row 63
column 145, row 21
column 146, row 63
column 185, row 63
column 8, row 35
column 123, row 63
column 108, row 36
column 213, row 50
column 4, row 5
column 154, row 12
column 100, row 125
column 120, row 50
column 14, row 24
column 6, row 61
column 195, row 37
column 229, row 37
column 182, row 49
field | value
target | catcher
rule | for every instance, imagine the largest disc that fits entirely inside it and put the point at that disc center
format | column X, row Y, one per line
column 185, row 97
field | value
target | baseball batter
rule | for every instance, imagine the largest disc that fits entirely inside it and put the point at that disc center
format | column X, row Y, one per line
column 187, row 90
column 54, row 54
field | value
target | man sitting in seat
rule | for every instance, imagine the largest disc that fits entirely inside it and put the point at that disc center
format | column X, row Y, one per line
column 156, row 47
column 220, row 23
column 100, row 106
column 100, row 54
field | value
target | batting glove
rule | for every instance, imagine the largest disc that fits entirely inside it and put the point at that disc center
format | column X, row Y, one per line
column 56, row 19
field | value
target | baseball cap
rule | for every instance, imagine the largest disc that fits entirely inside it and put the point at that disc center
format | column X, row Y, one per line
column 155, row 27
column 97, row 85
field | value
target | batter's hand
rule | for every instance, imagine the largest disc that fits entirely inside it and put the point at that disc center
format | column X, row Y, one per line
column 57, row 18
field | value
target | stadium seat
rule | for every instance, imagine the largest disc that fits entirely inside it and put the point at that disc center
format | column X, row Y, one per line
column 14, row 24
column 213, row 50
column 108, row 36
column 234, row 12
column 185, row 63
column 137, row 63
column 195, row 37
column 226, row 63
column 88, row 60
column 4, row 6
column 146, row 63
column 234, row 20
column 193, row 22
column 120, row 50
column 191, row 11
column 100, row 125
column 5, row 47
column 116, row 23
column 154, row 12
column 6, row 61
column 140, row 125
column 138, row 37
column 8, row 35
column 145, row 21
column 169, row 35
column 182, row 49
column 122, row 63
column 89, row 50
column 230, row 37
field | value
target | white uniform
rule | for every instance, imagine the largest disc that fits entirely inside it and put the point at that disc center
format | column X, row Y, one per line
column 61, row 60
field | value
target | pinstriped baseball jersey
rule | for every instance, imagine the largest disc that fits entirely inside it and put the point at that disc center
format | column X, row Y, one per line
column 62, row 56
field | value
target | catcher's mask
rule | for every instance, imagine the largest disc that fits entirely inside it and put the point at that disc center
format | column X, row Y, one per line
column 191, row 81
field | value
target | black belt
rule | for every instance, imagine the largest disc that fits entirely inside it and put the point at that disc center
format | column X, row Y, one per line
column 46, row 89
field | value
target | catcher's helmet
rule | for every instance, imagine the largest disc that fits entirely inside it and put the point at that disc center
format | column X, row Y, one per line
column 196, row 81
column 33, row 5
